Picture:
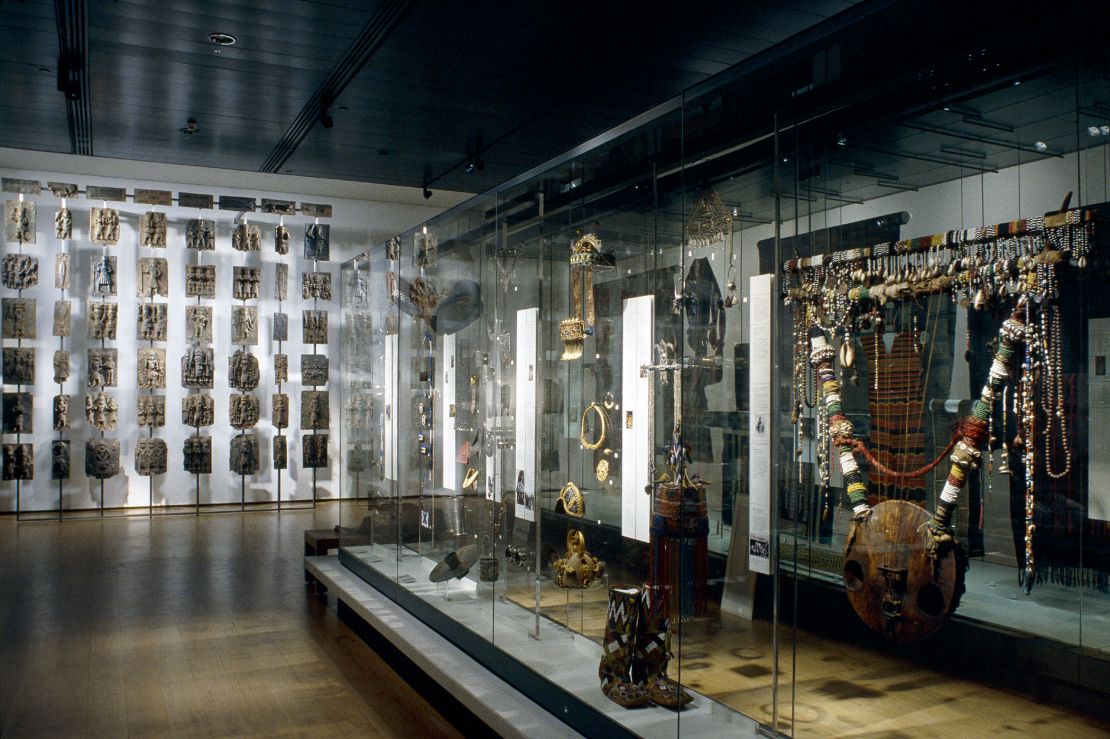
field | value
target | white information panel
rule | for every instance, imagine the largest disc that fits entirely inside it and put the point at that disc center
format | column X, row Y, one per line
column 389, row 389
column 448, row 439
column 525, row 483
column 634, row 418
column 760, row 301
column 1098, row 431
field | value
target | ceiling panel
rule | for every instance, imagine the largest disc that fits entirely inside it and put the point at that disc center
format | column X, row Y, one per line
column 526, row 81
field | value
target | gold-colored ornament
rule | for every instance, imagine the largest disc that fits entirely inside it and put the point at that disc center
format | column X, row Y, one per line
column 570, row 501
column 602, row 470
column 577, row 568
column 602, row 426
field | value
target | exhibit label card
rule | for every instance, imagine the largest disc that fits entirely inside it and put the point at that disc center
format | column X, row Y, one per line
column 447, row 442
column 525, row 483
column 389, row 382
column 633, row 416
column 1098, row 431
column 760, row 310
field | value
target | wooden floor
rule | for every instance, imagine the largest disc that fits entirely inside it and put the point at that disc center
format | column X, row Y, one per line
column 185, row 626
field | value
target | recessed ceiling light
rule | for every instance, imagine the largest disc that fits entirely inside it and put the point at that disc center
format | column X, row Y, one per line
column 222, row 39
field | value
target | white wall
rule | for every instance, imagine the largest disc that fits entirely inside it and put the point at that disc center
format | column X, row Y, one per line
column 363, row 215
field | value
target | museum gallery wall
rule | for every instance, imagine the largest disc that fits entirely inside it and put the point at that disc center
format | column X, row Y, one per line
column 161, row 341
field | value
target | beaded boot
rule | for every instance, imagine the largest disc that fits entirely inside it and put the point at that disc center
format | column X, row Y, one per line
column 617, row 648
column 653, row 651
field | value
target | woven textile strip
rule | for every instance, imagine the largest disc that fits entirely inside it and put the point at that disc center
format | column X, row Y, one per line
column 897, row 436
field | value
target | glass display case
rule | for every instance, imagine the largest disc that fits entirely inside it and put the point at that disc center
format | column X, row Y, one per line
column 771, row 416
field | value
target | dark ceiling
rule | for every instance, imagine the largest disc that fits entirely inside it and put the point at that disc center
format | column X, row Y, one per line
column 413, row 90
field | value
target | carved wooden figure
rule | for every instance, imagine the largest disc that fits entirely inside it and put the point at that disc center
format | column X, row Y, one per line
column 103, row 276
column 314, row 326
column 104, row 226
column 19, row 462
column 61, row 412
column 153, row 274
column 63, row 317
column 18, row 412
column 151, row 320
column 317, row 241
column 18, row 318
column 19, row 221
column 101, row 323
column 102, row 458
column 200, row 281
column 152, row 229
column 280, row 410
column 197, row 411
column 151, row 368
column 314, row 450
column 243, row 456
column 63, row 224
column 244, row 325
column 62, row 279
column 242, row 373
column 314, row 409
column 59, row 459
column 150, row 411
column 19, row 366
column 200, row 234
column 198, row 323
column 101, row 411
column 150, row 457
column 20, row 271
column 197, row 368
column 198, row 455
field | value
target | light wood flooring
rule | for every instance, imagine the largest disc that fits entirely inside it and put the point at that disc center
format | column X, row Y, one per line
column 187, row 627
column 840, row 690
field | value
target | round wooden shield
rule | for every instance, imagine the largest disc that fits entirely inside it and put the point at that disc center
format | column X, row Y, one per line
column 892, row 582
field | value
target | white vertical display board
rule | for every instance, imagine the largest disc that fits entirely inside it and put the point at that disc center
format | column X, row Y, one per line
column 448, row 439
column 636, row 437
column 759, row 424
column 1098, row 431
column 524, row 482
column 389, row 388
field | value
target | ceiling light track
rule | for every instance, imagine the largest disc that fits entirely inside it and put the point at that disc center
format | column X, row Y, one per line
column 316, row 110
column 72, row 18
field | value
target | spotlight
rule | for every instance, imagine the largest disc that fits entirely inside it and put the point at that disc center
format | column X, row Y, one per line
column 427, row 193
column 191, row 127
